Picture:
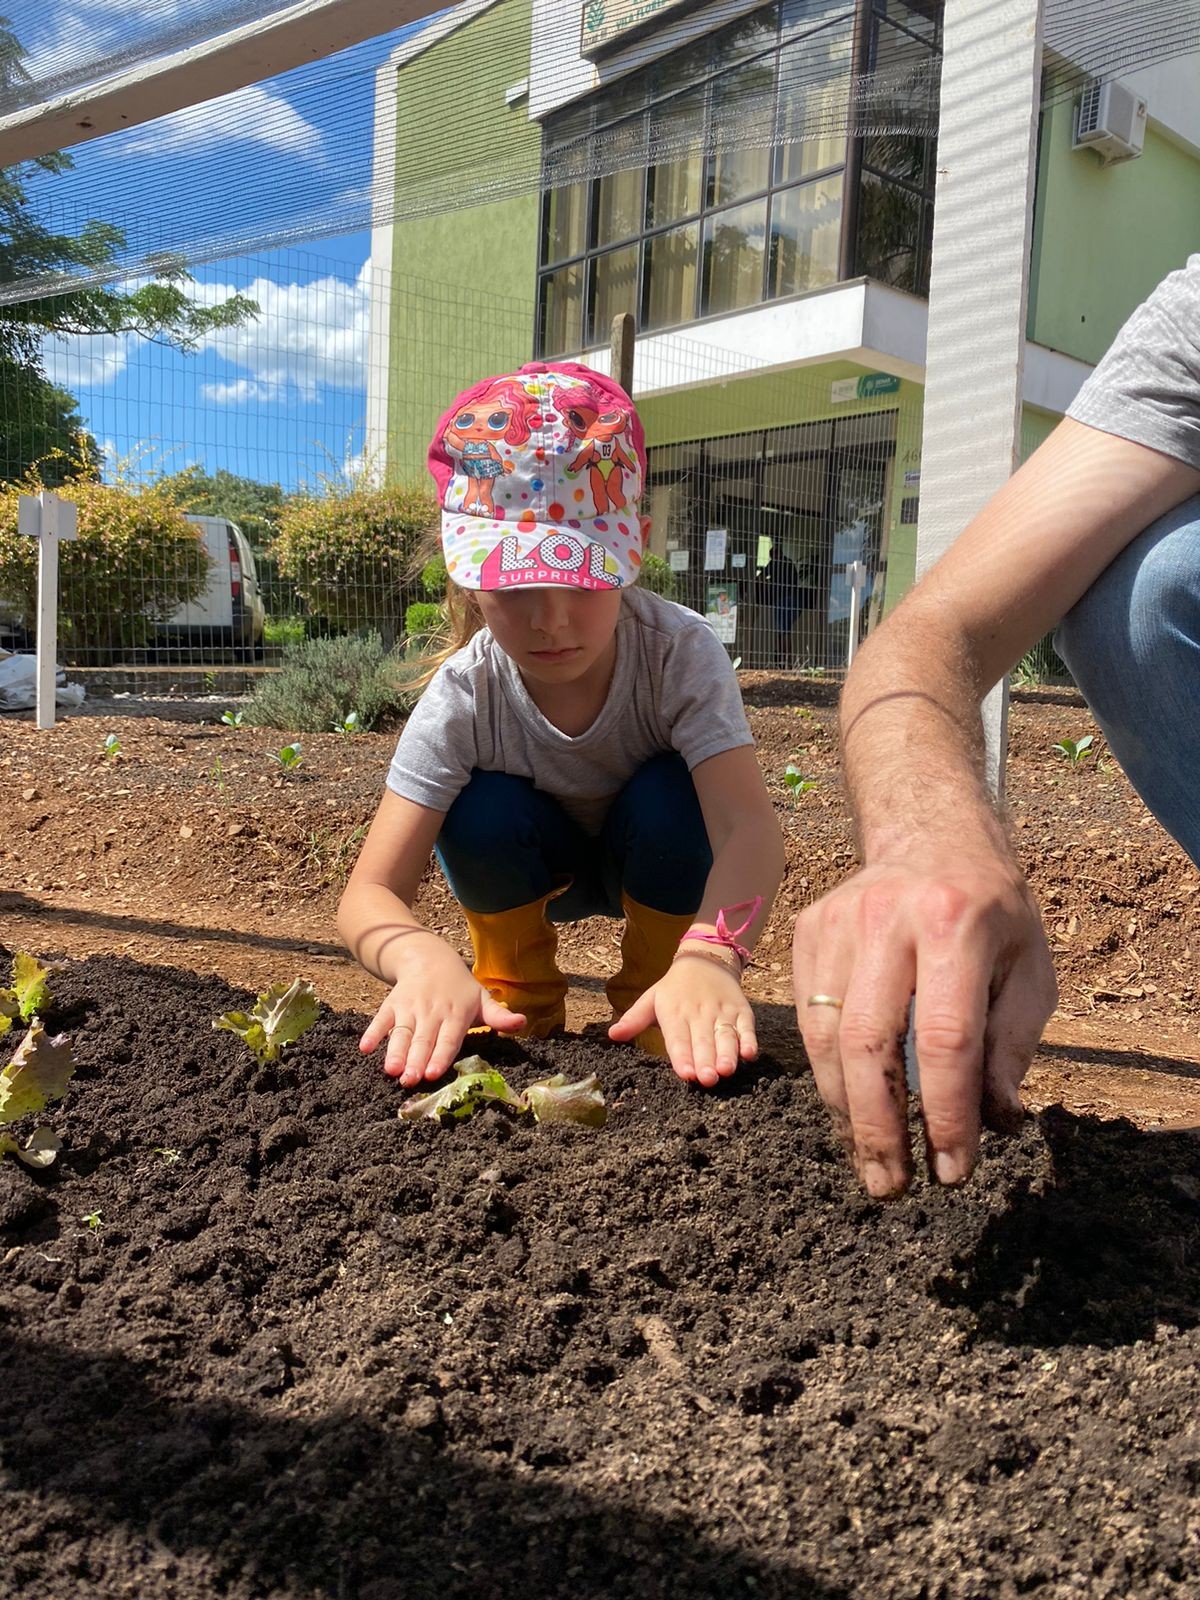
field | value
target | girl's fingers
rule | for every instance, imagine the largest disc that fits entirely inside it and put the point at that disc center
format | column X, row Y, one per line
column 378, row 1029
column 678, row 1039
column 396, row 1061
column 747, row 1035
column 637, row 1019
column 727, row 1044
column 446, row 1047
column 495, row 1015
column 704, row 1054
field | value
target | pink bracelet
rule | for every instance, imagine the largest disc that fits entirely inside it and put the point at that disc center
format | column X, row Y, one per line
column 727, row 936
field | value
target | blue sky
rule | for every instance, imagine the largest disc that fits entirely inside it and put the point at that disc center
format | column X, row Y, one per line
column 282, row 399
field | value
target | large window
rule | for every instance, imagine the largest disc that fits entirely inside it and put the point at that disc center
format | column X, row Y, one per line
column 734, row 170
column 895, row 206
column 722, row 204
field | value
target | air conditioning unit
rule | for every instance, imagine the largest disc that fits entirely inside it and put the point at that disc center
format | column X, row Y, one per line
column 1111, row 120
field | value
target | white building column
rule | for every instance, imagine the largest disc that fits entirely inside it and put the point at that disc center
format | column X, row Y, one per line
column 979, row 282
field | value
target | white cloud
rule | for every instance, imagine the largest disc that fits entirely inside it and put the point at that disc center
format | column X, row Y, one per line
column 247, row 116
column 308, row 336
column 85, row 360
column 241, row 391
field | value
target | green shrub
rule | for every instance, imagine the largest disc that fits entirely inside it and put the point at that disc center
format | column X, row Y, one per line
column 423, row 621
column 135, row 562
column 351, row 552
column 434, row 578
column 323, row 679
column 657, row 576
column 284, row 630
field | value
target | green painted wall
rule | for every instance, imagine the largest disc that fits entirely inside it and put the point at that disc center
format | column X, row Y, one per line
column 780, row 399
column 463, row 281
column 1104, row 236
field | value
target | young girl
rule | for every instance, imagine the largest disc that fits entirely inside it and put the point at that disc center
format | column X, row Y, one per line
column 583, row 751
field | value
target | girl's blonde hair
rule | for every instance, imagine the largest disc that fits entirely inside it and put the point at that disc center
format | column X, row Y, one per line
column 463, row 621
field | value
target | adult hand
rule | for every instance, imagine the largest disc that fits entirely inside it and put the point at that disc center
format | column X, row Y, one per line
column 428, row 1011
column 959, row 931
column 705, row 1019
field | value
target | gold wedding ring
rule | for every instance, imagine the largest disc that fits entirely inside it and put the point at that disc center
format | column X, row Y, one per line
column 824, row 1000
column 730, row 1025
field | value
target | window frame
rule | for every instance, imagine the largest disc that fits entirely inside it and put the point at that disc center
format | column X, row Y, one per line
column 591, row 123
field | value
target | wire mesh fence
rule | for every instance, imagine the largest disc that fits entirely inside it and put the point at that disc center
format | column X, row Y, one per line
column 271, row 485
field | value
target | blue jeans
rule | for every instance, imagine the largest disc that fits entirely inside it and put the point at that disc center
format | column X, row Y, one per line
column 1133, row 646
column 505, row 844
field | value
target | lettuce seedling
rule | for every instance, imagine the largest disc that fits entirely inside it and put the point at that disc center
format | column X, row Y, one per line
column 233, row 719
column 475, row 1083
column 348, row 725
column 111, row 747
column 39, row 1072
column 279, row 1017
column 556, row 1100
column 29, row 991
column 796, row 781
column 289, row 757
column 1075, row 750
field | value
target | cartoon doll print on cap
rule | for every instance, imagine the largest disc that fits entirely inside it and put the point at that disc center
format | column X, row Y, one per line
column 539, row 474
column 600, row 431
column 500, row 413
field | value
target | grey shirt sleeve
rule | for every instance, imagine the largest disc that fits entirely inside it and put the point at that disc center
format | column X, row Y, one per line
column 700, row 698
column 1147, row 387
column 436, row 751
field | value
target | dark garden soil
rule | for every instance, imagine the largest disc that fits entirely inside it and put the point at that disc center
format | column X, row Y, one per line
column 305, row 1350
column 189, row 849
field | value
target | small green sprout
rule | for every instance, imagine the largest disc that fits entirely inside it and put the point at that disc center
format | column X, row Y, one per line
column 1075, row 750
column 111, row 747
column 797, row 782
column 348, row 725
column 233, row 719
column 168, row 1155
column 289, row 758
column 94, row 1219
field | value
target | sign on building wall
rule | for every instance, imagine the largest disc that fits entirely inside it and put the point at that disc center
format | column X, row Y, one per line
column 607, row 21
column 866, row 387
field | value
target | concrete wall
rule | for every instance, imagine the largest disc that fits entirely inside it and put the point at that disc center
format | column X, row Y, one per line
column 1105, row 236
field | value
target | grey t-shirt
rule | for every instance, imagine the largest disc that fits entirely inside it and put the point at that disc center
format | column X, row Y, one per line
column 673, row 688
column 1147, row 387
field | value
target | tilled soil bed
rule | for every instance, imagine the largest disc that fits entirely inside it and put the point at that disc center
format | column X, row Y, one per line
column 306, row 1350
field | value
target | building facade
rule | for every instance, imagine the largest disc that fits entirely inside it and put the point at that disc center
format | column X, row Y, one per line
column 715, row 170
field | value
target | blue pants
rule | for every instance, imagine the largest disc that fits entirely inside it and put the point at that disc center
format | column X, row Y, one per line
column 505, row 844
column 1133, row 646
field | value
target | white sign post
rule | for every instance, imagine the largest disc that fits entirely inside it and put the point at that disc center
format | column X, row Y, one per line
column 48, row 519
column 856, row 577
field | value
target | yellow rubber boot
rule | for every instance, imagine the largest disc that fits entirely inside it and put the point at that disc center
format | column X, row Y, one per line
column 514, row 961
column 648, row 947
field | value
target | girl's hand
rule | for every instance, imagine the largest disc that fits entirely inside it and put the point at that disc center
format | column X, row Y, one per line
column 705, row 1019
column 428, row 1011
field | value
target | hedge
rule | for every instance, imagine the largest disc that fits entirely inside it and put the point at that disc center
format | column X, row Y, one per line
column 351, row 553
column 135, row 561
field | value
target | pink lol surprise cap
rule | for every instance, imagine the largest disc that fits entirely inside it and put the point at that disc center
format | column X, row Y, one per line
column 539, row 475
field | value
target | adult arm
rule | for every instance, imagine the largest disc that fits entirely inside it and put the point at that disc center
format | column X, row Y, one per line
column 432, row 998
column 706, row 1020
column 940, row 908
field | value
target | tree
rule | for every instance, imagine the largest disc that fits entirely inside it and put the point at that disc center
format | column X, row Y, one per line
column 254, row 506
column 40, row 423
column 160, row 310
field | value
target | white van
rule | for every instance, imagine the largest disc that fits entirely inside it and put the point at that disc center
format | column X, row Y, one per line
column 230, row 614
